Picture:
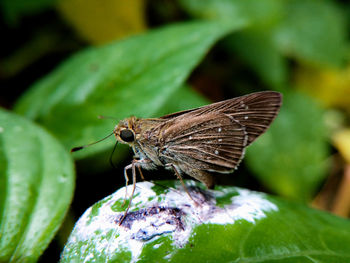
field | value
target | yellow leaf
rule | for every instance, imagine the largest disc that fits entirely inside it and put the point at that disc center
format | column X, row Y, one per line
column 330, row 86
column 341, row 141
column 101, row 21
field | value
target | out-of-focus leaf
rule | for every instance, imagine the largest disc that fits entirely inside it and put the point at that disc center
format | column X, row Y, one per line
column 308, row 30
column 185, row 98
column 313, row 31
column 290, row 158
column 255, row 44
column 36, row 187
column 137, row 76
column 262, row 12
column 341, row 140
column 12, row 10
column 100, row 22
column 256, row 47
column 330, row 86
column 230, row 225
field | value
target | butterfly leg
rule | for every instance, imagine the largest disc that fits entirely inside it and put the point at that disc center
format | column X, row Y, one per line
column 138, row 163
column 140, row 172
column 178, row 175
column 132, row 166
column 126, row 168
column 134, row 163
column 133, row 169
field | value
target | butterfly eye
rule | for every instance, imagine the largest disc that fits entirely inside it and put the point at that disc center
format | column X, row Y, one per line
column 127, row 135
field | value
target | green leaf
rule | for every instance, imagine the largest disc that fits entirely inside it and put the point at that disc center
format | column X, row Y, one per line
column 36, row 187
column 308, row 30
column 137, row 76
column 313, row 31
column 255, row 44
column 262, row 12
column 229, row 225
column 183, row 99
column 255, row 47
column 290, row 158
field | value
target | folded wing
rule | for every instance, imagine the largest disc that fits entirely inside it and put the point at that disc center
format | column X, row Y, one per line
column 211, row 142
column 254, row 112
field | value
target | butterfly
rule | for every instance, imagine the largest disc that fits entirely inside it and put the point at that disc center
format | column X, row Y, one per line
column 198, row 142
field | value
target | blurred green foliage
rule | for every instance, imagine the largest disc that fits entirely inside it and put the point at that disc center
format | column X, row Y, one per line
column 297, row 47
column 308, row 30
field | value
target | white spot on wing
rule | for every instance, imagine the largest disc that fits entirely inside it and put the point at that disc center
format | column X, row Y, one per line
column 246, row 117
column 219, row 129
column 219, row 140
column 216, row 152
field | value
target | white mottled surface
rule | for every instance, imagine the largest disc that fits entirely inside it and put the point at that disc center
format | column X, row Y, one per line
column 108, row 237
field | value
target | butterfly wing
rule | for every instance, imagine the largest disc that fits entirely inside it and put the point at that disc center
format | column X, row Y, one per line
column 210, row 142
column 254, row 111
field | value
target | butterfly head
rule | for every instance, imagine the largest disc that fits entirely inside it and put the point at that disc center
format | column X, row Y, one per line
column 124, row 131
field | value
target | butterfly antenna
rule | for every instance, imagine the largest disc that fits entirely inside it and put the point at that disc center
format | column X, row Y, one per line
column 111, row 156
column 75, row 149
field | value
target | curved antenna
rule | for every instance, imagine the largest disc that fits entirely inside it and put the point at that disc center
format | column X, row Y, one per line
column 84, row 146
column 110, row 157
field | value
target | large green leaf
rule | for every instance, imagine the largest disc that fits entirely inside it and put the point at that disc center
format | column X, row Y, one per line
column 313, row 31
column 262, row 12
column 255, row 44
column 308, row 30
column 227, row 225
column 256, row 47
column 185, row 98
column 290, row 158
column 136, row 76
column 36, row 187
